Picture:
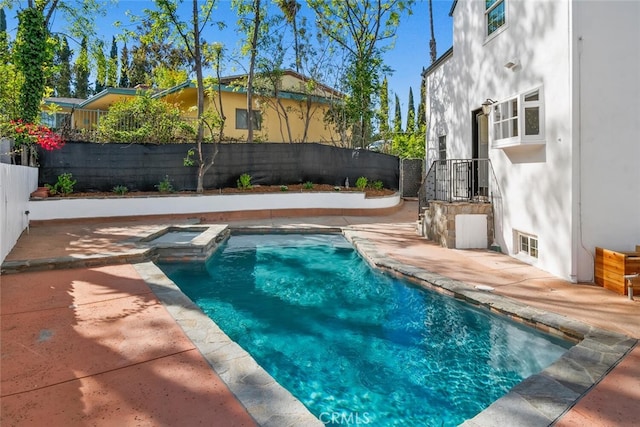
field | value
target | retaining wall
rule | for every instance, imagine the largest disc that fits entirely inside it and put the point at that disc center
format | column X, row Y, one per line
column 439, row 220
column 55, row 208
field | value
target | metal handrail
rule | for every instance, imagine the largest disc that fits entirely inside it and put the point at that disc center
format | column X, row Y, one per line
column 457, row 180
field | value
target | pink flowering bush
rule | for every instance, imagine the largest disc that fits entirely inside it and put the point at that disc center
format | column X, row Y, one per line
column 29, row 133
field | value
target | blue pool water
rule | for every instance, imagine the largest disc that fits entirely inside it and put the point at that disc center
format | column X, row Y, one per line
column 354, row 345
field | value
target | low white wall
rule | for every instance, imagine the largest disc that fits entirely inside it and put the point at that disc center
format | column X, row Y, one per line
column 166, row 205
column 16, row 184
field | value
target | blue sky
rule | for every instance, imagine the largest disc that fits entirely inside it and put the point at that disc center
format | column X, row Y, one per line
column 409, row 56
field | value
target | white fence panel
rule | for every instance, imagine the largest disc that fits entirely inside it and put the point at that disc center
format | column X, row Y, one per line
column 16, row 184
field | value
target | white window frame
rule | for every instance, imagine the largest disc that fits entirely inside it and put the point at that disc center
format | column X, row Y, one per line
column 527, row 244
column 508, row 117
column 487, row 12
column 442, row 148
column 54, row 120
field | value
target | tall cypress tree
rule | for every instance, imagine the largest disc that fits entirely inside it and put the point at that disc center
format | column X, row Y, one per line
column 9, row 83
column 101, row 65
column 112, row 65
column 397, row 119
column 4, row 38
column 422, row 109
column 383, row 114
column 81, row 71
column 124, row 67
column 140, row 70
column 411, row 114
column 62, row 78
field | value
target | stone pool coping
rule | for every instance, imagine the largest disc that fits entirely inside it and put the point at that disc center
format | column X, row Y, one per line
column 539, row 400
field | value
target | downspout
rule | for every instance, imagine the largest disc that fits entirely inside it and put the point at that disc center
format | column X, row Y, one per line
column 574, row 84
column 580, row 242
column 577, row 240
column 578, row 174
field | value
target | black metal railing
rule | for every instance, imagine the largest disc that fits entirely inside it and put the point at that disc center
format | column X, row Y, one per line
column 457, row 180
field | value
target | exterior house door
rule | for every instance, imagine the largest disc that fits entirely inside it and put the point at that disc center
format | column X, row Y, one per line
column 480, row 151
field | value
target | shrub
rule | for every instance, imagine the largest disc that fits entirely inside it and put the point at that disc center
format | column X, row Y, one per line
column 120, row 190
column 29, row 133
column 165, row 185
column 284, row 188
column 361, row 183
column 64, row 185
column 244, row 182
column 308, row 185
column 143, row 119
column 377, row 185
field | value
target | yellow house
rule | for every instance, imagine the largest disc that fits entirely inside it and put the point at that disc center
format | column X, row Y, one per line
column 77, row 117
column 290, row 110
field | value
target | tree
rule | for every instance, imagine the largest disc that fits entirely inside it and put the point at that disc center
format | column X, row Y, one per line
column 101, row 67
column 140, row 71
column 290, row 9
column 383, row 112
column 4, row 37
column 190, row 33
column 422, row 116
column 408, row 146
column 269, row 72
column 124, row 67
column 164, row 77
column 215, row 54
column 81, row 71
column 163, row 62
column 360, row 27
column 432, row 41
column 411, row 114
column 397, row 119
column 31, row 55
column 312, row 61
column 112, row 64
column 11, row 80
column 250, row 13
column 62, row 76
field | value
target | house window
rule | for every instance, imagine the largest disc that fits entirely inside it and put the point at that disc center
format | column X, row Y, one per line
column 243, row 123
column 505, row 119
column 54, row 120
column 48, row 120
column 519, row 119
column 442, row 148
column 528, row 244
column 495, row 16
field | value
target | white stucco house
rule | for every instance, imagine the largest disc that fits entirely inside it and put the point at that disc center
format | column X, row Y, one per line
column 560, row 84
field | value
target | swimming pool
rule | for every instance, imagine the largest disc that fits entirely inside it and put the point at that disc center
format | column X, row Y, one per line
column 353, row 344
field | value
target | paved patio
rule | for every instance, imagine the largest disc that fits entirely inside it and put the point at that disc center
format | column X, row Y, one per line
column 93, row 345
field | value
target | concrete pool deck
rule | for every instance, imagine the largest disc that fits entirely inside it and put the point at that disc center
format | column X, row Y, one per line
column 94, row 345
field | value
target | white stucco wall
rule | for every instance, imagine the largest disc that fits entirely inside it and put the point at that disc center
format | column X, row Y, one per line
column 535, row 185
column 16, row 184
column 606, row 73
